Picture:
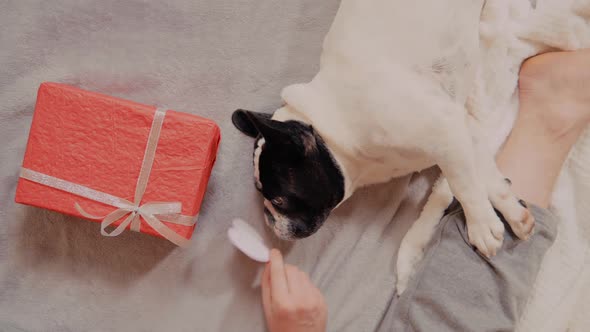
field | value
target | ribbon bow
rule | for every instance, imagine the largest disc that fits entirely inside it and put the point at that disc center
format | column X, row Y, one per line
column 168, row 211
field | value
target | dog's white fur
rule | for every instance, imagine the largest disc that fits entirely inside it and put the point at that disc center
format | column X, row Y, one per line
column 257, row 151
column 388, row 103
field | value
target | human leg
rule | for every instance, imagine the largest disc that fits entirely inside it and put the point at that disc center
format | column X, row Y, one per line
column 463, row 289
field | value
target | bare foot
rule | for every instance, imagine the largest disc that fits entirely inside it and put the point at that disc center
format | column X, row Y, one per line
column 554, row 91
column 554, row 111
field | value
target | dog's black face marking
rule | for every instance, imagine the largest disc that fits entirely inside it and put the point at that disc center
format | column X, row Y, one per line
column 300, row 180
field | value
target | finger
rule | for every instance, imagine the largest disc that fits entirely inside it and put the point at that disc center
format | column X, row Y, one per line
column 278, row 281
column 317, row 293
column 306, row 295
column 303, row 290
column 308, row 290
column 294, row 281
column 318, row 297
column 306, row 280
column 266, row 294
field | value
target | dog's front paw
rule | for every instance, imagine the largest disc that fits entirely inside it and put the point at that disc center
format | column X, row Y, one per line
column 515, row 211
column 486, row 234
column 523, row 227
column 519, row 217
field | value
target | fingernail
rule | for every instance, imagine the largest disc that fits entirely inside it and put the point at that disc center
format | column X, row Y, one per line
column 523, row 203
column 508, row 181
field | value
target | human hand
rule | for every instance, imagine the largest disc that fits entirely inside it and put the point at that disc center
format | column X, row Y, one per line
column 291, row 302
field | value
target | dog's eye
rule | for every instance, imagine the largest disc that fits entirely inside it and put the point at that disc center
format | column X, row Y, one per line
column 278, row 201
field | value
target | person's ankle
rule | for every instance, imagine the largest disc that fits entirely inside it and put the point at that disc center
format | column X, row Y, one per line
column 549, row 127
column 553, row 94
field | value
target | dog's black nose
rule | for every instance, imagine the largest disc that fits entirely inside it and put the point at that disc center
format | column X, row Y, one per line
column 300, row 230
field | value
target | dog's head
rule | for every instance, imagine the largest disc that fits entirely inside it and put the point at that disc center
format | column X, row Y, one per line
column 295, row 172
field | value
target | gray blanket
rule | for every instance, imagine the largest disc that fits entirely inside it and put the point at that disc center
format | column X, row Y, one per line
column 58, row 273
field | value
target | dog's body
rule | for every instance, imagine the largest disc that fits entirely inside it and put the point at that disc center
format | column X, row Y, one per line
column 375, row 99
column 388, row 102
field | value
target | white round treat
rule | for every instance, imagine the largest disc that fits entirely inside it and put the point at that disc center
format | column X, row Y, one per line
column 245, row 238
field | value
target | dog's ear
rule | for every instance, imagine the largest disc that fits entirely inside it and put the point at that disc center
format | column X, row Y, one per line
column 247, row 122
column 292, row 140
column 254, row 124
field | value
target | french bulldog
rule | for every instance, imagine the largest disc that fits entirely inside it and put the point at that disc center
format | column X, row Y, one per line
column 388, row 100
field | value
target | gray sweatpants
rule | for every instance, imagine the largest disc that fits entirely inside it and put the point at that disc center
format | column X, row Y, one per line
column 455, row 288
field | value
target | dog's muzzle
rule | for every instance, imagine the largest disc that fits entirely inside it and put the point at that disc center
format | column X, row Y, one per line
column 270, row 219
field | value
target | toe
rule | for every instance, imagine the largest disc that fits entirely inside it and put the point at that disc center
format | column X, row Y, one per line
column 484, row 246
column 484, row 250
column 497, row 231
column 528, row 225
column 524, row 226
column 497, row 245
column 493, row 244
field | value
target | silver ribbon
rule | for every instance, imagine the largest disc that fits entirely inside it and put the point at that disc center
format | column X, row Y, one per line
column 167, row 211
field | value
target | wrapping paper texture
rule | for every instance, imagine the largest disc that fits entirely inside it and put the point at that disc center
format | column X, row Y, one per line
column 99, row 141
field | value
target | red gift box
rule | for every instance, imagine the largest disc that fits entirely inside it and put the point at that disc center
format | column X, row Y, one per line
column 124, row 164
